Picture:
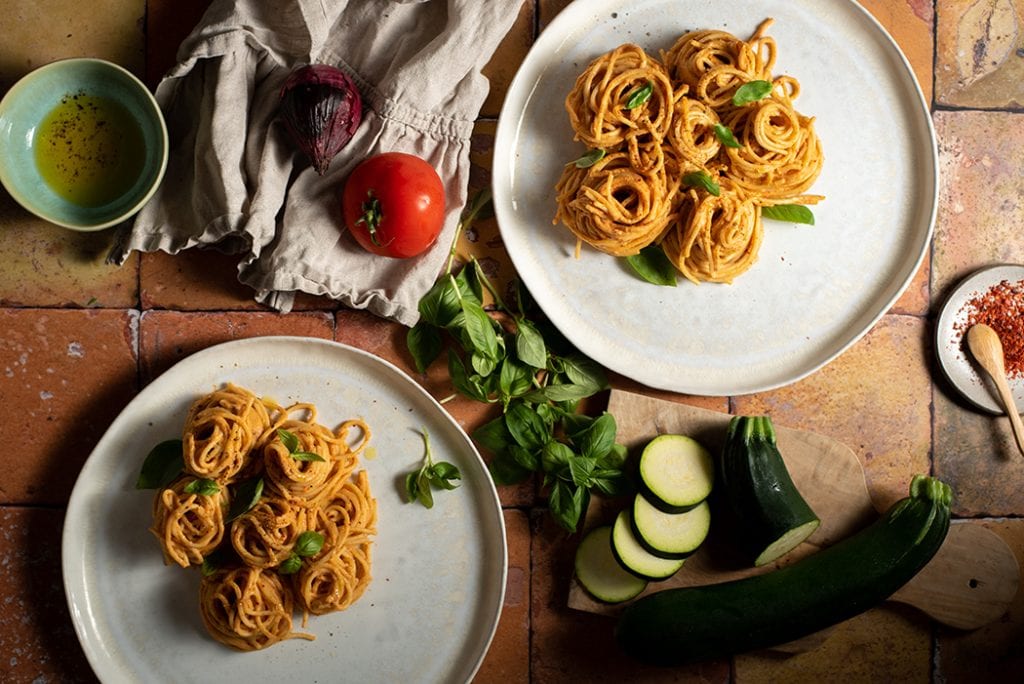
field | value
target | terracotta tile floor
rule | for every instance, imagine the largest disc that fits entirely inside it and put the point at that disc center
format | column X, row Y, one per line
column 78, row 339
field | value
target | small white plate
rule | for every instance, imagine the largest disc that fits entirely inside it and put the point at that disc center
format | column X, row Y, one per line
column 438, row 575
column 815, row 289
column 960, row 368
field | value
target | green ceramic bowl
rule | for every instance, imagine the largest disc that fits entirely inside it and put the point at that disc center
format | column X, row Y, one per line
column 27, row 104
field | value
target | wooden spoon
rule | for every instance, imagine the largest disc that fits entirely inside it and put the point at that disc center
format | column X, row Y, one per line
column 984, row 344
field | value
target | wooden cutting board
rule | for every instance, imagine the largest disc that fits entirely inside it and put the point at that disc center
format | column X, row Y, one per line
column 969, row 583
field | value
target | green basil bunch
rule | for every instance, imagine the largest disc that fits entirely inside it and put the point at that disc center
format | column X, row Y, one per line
column 503, row 356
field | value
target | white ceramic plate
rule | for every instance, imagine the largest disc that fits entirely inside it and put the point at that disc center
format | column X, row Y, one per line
column 815, row 290
column 438, row 575
column 962, row 370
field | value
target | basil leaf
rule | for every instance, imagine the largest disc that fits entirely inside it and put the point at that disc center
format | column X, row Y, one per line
column 514, row 379
column 424, row 343
column 246, row 496
column 469, row 285
column 530, row 347
column 483, row 365
column 306, row 456
column 640, row 95
column 654, row 266
column 700, row 179
column 599, row 438
column 412, row 486
column 443, row 475
column 480, row 330
column 162, row 465
column 290, row 565
column 505, row 471
column 493, row 435
column 616, row 457
column 527, row 458
column 309, row 543
column 582, row 370
column 216, row 559
column 751, row 92
column 793, row 213
column 555, row 456
column 526, row 427
column 288, row 439
column 568, row 503
column 589, row 159
column 202, row 486
column 441, row 303
column 725, row 136
column 423, row 493
column 581, row 468
column 563, row 392
column 462, row 381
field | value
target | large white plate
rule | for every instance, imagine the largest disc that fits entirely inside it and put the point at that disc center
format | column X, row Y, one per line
column 815, row 290
column 438, row 575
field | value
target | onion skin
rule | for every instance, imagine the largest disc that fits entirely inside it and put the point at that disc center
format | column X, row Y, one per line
column 321, row 109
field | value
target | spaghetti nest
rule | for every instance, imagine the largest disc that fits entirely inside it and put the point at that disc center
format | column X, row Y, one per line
column 282, row 520
column 685, row 151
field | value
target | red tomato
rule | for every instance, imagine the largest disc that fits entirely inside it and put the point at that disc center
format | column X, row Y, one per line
column 393, row 204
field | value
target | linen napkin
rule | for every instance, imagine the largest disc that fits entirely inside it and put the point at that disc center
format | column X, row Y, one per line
column 234, row 179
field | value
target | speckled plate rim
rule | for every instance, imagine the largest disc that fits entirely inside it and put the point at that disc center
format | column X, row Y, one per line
column 439, row 575
column 806, row 301
column 959, row 368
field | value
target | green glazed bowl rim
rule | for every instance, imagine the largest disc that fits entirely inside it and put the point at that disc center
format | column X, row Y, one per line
column 157, row 118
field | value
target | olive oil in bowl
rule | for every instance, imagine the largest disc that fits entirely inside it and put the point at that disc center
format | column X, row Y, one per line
column 89, row 149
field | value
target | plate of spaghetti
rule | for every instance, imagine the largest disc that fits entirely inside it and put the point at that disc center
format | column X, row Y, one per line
column 747, row 155
column 246, row 518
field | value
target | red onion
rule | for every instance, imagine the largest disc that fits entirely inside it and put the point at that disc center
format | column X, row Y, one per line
column 321, row 109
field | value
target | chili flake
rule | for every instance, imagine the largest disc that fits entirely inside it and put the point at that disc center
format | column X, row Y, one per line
column 1001, row 307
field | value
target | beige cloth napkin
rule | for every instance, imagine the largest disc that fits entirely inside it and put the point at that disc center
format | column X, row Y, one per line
column 235, row 181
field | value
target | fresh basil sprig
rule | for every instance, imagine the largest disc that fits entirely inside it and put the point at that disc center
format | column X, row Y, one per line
column 420, row 483
column 652, row 265
column 203, row 486
column 308, row 544
column 247, row 493
column 751, row 91
column 291, row 442
column 640, row 95
column 505, row 355
column 589, row 159
column 701, row 179
column 792, row 213
column 162, row 465
column 725, row 136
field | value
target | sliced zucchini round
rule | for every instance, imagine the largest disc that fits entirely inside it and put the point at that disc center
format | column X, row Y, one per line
column 676, row 472
column 599, row 571
column 634, row 557
column 670, row 535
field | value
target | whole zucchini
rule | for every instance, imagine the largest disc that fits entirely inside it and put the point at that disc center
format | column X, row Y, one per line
column 766, row 512
column 689, row 624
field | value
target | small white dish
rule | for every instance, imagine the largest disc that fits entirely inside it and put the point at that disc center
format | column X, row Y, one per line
column 962, row 371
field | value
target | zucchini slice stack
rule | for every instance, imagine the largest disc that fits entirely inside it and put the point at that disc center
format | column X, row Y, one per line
column 668, row 520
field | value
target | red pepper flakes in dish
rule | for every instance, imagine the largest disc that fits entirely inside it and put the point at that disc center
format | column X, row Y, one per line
column 1001, row 307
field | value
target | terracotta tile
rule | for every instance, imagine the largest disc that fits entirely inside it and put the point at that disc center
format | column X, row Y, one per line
column 573, row 646
column 888, row 644
column 978, row 56
column 855, row 400
column 68, row 373
column 508, row 659
column 916, row 299
column 166, row 337
column 909, row 22
column 37, row 639
column 108, row 29
column 502, row 67
column 991, row 653
column 975, row 454
column 46, row 265
column 978, row 223
column 204, row 280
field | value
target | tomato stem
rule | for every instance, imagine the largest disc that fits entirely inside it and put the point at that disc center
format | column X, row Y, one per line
column 372, row 216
